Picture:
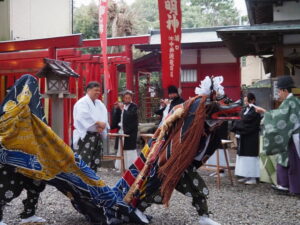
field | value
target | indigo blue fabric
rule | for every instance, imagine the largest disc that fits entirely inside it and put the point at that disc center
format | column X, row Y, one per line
column 99, row 204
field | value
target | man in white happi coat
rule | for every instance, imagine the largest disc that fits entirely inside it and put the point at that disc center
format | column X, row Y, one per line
column 91, row 125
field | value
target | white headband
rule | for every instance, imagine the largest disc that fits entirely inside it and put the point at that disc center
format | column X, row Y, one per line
column 204, row 87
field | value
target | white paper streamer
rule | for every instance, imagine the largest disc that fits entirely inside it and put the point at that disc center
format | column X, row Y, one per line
column 204, row 87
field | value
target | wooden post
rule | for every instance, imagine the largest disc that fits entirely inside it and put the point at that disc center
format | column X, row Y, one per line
column 2, row 88
column 218, row 169
column 57, row 107
column 279, row 69
column 58, row 121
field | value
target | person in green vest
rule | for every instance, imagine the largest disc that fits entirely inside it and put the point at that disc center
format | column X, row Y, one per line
column 281, row 136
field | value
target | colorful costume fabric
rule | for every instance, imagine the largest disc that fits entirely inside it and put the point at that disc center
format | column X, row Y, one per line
column 13, row 183
column 11, row 186
column 46, row 157
column 181, row 145
column 147, row 190
column 191, row 185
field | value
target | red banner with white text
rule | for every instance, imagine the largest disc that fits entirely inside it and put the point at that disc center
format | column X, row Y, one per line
column 103, row 10
column 170, row 32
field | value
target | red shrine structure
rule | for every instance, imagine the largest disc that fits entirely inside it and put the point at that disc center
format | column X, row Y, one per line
column 27, row 57
column 203, row 53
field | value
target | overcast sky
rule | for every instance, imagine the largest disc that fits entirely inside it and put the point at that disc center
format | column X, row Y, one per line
column 240, row 4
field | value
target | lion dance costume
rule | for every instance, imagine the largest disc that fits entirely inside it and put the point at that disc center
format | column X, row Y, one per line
column 169, row 161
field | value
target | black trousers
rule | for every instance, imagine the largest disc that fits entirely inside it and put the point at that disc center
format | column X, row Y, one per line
column 11, row 186
column 191, row 185
column 91, row 150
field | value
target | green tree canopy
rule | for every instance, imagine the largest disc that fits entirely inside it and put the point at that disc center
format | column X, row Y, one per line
column 86, row 20
column 208, row 13
column 146, row 13
column 142, row 16
column 195, row 13
column 120, row 20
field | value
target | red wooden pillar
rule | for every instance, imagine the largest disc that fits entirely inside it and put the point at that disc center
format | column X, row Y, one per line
column 71, row 102
column 86, row 72
column 136, row 91
column 80, row 91
column 99, row 73
column 92, row 71
column 96, row 72
column 52, row 53
column 113, row 94
column 10, row 80
column 199, row 65
column 129, row 68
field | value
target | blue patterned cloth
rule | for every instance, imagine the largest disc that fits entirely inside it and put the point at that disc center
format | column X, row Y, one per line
column 98, row 203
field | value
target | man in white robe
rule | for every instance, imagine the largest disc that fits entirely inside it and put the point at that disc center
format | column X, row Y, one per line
column 91, row 125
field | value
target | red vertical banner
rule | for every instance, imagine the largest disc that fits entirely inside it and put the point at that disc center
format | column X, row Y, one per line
column 170, row 33
column 103, row 11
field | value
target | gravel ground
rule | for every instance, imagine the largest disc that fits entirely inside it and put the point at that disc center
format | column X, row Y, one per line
column 231, row 205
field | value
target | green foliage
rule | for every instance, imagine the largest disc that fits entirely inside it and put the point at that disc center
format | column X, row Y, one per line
column 143, row 16
column 122, row 82
column 208, row 13
column 146, row 13
column 195, row 13
column 120, row 20
column 86, row 20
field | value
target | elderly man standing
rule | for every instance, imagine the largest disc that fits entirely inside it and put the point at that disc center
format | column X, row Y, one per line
column 125, row 114
column 281, row 136
column 91, row 124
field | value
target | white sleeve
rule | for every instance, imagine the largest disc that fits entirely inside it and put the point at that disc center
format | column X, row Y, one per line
column 104, row 115
column 83, row 118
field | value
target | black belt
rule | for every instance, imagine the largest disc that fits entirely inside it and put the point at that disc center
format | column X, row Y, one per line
column 92, row 133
